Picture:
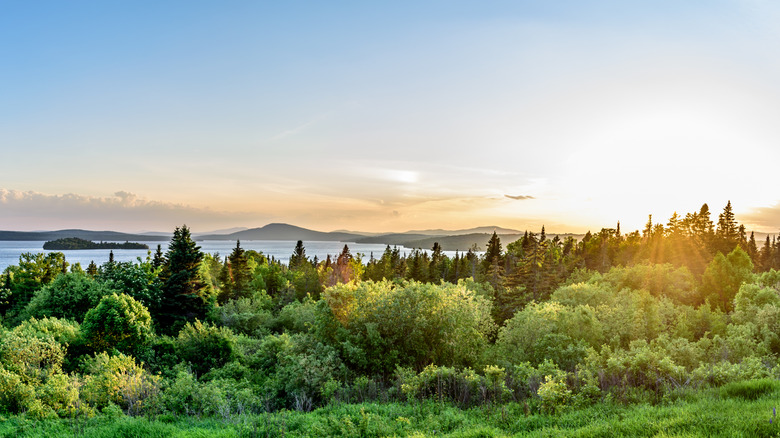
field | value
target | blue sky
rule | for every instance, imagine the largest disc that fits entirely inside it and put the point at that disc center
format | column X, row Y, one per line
column 386, row 116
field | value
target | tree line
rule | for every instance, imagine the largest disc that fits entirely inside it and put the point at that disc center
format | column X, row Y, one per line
column 546, row 322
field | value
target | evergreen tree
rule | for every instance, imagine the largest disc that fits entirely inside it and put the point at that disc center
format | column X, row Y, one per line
column 727, row 224
column 727, row 234
column 752, row 247
column 493, row 252
column 492, row 265
column 435, row 273
column 183, row 290
column 298, row 256
column 92, row 268
column 159, row 258
column 648, row 227
column 765, row 263
column 239, row 272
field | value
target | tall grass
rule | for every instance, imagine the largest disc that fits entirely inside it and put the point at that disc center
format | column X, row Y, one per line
column 737, row 410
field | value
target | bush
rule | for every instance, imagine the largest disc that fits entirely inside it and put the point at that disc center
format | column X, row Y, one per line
column 119, row 380
column 205, row 346
column 118, row 321
column 297, row 317
column 380, row 325
column 294, row 370
column 724, row 276
column 249, row 316
column 68, row 296
column 31, row 378
column 31, row 356
column 551, row 331
column 554, row 394
column 225, row 398
column 140, row 281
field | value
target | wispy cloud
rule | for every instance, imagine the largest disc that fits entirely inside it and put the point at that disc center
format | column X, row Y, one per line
column 520, row 197
column 763, row 219
column 303, row 126
column 123, row 211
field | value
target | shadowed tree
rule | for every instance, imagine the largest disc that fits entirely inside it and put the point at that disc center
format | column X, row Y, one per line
column 183, row 290
column 298, row 256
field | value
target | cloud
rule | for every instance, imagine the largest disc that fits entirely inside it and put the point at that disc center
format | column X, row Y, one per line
column 519, row 197
column 123, row 211
column 762, row 219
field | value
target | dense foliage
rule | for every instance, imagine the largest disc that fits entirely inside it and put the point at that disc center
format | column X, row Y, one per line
column 543, row 326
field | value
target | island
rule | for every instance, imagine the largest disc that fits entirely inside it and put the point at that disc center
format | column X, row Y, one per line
column 69, row 243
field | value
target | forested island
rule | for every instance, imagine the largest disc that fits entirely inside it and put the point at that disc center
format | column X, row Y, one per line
column 667, row 331
column 71, row 243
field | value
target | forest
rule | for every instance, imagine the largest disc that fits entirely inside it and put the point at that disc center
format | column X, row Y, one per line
column 671, row 330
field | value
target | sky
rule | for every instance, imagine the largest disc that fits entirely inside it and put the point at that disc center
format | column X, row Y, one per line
column 387, row 116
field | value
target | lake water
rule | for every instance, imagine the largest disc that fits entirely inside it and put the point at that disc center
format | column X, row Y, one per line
column 279, row 249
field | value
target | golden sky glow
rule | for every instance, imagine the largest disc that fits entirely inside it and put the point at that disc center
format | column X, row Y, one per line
column 388, row 117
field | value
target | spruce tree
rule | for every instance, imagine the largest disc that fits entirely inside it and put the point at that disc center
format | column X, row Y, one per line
column 298, row 256
column 183, row 290
column 159, row 258
column 727, row 234
column 239, row 272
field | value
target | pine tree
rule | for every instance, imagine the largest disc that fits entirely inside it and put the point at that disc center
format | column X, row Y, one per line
column 648, row 227
column 493, row 251
column 159, row 258
column 239, row 272
column 183, row 289
column 727, row 234
column 752, row 248
column 727, row 224
column 492, row 265
column 766, row 255
column 435, row 268
column 298, row 256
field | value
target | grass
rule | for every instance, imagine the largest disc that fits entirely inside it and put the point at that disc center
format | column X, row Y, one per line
column 736, row 410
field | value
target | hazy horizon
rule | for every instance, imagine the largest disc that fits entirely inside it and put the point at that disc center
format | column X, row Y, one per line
column 387, row 117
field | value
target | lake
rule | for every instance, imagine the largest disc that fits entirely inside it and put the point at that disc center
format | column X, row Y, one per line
column 279, row 249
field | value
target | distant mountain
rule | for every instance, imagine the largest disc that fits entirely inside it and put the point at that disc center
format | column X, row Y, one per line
column 393, row 239
column 81, row 234
column 477, row 230
column 219, row 232
column 283, row 232
column 359, row 233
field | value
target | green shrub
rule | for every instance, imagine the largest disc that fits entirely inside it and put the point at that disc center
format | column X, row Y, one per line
column 221, row 397
column 380, row 325
column 69, row 296
column 554, row 394
column 120, row 380
column 549, row 331
column 294, row 370
column 118, row 321
column 724, row 276
column 205, row 346
column 249, row 316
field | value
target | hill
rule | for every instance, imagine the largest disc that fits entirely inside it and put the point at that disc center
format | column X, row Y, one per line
column 283, row 232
